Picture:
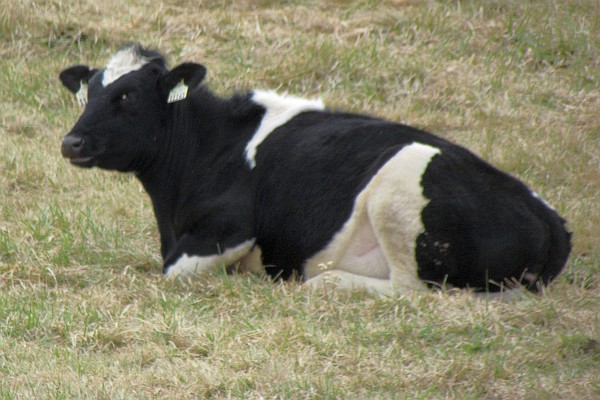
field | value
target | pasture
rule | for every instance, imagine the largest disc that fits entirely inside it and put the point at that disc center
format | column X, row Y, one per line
column 84, row 311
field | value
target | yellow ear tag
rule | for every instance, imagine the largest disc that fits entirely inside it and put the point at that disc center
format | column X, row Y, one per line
column 178, row 93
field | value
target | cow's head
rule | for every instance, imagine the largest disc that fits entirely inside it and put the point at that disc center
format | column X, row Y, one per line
column 125, row 106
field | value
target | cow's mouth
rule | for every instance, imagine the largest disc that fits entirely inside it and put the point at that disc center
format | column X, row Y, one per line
column 80, row 160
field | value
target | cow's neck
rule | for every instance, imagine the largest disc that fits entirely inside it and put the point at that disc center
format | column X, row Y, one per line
column 201, row 137
column 187, row 135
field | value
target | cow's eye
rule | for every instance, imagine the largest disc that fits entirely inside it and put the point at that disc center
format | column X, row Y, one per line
column 124, row 96
column 121, row 98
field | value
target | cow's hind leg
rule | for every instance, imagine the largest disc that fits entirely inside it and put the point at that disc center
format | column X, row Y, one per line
column 376, row 247
column 347, row 280
column 353, row 258
column 394, row 204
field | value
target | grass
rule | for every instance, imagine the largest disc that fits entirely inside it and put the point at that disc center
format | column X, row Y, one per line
column 84, row 312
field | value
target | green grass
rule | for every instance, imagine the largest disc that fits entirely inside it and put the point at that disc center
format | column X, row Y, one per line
column 84, row 312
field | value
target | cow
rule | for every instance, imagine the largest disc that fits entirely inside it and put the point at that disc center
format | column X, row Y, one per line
column 283, row 185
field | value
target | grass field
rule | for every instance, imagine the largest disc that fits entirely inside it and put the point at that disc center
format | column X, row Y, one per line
column 84, row 312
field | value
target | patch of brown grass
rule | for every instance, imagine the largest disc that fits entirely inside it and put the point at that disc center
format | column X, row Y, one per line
column 84, row 311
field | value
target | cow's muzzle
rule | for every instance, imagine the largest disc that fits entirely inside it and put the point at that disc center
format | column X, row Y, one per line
column 72, row 147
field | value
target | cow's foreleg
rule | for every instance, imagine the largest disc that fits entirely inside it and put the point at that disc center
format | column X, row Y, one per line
column 186, row 263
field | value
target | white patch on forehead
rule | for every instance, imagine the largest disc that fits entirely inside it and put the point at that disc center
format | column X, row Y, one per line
column 123, row 62
column 279, row 110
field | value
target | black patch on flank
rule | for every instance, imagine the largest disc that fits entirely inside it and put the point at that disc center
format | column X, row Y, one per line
column 483, row 228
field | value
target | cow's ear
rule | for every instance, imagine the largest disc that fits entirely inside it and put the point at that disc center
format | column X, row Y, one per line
column 175, row 83
column 72, row 77
column 76, row 79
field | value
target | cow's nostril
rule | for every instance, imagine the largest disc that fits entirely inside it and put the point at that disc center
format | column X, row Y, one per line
column 71, row 146
column 75, row 142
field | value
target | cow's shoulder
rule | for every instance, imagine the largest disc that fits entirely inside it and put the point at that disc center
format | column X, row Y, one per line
column 279, row 109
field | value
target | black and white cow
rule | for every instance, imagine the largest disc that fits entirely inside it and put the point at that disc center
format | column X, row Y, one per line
column 265, row 179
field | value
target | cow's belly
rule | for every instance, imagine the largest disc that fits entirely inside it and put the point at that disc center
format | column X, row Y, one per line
column 354, row 249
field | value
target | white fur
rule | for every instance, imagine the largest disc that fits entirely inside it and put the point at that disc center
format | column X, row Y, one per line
column 534, row 194
column 346, row 280
column 123, row 62
column 193, row 265
column 376, row 247
column 252, row 262
column 279, row 110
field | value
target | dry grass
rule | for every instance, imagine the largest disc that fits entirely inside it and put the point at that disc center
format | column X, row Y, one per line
column 84, row 312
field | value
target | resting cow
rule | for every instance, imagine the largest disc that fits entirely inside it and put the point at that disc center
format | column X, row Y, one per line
column 263, row 179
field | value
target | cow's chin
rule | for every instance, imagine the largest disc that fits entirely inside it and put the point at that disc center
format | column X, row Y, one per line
column 83, row 162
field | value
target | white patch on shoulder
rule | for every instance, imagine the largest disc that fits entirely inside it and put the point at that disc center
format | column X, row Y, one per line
column 193, row 265
column 377, row 243
column 123, row 62
column 279, row 110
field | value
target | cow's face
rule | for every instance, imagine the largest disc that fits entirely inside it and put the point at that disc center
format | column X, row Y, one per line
column 125, row 108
